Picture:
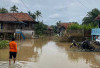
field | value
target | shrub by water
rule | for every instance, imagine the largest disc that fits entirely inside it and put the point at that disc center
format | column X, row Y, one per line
column 4, row 44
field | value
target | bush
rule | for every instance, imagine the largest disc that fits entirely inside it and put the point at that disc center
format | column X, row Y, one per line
column 76, row 26
column 4, row 44
column 40, row 28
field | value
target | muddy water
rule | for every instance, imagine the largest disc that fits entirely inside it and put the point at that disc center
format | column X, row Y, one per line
column 45, row 53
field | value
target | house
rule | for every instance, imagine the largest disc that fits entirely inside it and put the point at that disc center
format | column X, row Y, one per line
column 95, row 33
column 62, row 27
column 13, row 24
column 50, row 30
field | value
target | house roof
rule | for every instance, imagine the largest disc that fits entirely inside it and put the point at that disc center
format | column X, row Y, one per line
column 65, row 24
column 15, row 17
column 97, row 18
column 50, row 28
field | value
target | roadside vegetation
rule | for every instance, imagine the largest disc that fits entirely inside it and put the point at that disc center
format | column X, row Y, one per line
column 40, row 28
column 4, row 44
column 76, row 26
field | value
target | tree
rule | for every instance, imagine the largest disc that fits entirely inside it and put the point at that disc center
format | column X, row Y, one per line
column 54, row 28
column 40, row 28
column 21, row 12
column 91, row 16
column 14, row 9
column 76, row 26
column 37, row 14
column 32, row 15
column 3, row 10
column 57, row 23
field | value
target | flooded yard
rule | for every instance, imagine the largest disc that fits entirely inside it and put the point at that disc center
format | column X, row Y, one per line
column 46, row 53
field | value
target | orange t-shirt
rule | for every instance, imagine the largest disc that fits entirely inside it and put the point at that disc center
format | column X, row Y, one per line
column 13, row 46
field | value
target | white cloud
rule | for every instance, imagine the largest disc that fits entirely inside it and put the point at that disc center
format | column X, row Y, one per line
column 15, row 1
column 60, row 8
column 54, row 16
column 55, row 10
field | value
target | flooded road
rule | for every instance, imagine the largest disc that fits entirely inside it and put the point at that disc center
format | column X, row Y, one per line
column 45, row 53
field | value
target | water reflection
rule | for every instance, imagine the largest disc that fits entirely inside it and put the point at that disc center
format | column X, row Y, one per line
column 27, row 49
column 91, row 58
column 30, row 50
column 45, row 53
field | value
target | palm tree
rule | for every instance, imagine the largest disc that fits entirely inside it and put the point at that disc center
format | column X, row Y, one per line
column 29, row 12
column 3, row 10
column 14, row 9
column 32, row 15
column 57, row 23
column 37, row 14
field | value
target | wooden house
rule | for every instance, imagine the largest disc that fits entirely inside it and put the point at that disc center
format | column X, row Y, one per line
column 12, row 24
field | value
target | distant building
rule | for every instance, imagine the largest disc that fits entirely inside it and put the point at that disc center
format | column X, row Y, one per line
column 62, row 27
column 50, row 30
column 12, row 24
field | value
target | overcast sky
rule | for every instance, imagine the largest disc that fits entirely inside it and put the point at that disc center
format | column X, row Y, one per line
column 55, row 10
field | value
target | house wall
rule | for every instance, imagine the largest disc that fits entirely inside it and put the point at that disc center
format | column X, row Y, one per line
column 28, row 33
column 14, row 26
column 9, row 26
column 28, row 26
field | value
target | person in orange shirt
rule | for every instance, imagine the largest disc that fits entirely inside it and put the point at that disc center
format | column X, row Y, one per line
column 12, row 50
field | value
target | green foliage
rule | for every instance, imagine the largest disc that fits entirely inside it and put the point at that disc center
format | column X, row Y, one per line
column 76, row 26
column 4, row 44
column 40, row 28
column 37, row 14
column 32, row 15
column 89, row 26
column 54, row 28
column 3, row 10
column 91, row 16
column 57, row 23
column 14, row 9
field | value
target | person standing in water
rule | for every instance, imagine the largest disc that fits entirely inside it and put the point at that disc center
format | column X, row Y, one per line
column 12, row 50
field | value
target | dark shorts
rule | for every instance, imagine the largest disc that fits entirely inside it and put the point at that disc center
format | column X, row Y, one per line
column 12, row 54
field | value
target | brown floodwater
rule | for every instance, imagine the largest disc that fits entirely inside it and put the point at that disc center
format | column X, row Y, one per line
column 46, row 53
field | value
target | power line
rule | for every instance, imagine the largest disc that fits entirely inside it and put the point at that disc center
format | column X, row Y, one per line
column 82, row 4
column 81, row 8
column 24, row 4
